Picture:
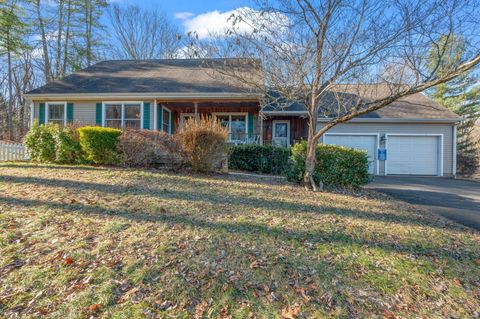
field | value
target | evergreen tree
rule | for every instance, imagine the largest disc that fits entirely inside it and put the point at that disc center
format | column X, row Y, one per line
column 461, row 96
column 13, row 32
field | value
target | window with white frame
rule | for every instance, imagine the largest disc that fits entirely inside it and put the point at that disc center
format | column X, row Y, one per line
column 187, row 116
column 166, row 122
column 56, row 113
column 123, row 115
column 236, row 124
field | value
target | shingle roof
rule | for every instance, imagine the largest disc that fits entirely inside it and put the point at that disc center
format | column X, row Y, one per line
column 416, row 106
column 154, row 76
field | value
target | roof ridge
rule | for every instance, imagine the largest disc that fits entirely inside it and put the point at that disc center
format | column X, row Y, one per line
column 174, row 59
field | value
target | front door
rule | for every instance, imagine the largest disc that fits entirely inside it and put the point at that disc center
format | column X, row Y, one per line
column 281, row 133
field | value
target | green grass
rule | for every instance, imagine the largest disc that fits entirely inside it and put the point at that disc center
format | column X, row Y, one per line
column 81, row 242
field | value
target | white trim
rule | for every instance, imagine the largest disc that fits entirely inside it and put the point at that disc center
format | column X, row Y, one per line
column 163, row 107
column 122, row 112
column 150, row 95
column 32, row 113
column 155, row 115
column 47, row 113
column 454, row 151
column 285, row 113
column 288, row 130
column 377, row 146
column 394, row 120
column 440, row 136
column 214, row 114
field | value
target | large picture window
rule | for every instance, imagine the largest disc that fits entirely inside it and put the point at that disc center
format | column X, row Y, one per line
column 56, row 113
column 236, row 124
column 123, row 115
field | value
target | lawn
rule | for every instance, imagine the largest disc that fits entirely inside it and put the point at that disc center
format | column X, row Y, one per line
column 80, row 242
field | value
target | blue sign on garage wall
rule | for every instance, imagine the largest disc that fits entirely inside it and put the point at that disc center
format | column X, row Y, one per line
column 382, row 154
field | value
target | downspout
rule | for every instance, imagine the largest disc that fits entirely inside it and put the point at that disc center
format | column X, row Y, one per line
column 454, row 151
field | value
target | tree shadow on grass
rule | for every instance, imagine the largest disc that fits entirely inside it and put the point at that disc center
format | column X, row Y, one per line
column 314, row 236
column 53, row 166
column 230, row 199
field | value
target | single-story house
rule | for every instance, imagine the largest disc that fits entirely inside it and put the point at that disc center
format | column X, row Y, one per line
column 418, row 134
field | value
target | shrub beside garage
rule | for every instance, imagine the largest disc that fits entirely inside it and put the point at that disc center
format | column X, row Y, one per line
column 336, row 166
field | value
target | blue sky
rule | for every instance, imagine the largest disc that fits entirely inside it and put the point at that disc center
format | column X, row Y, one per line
column 212, row 12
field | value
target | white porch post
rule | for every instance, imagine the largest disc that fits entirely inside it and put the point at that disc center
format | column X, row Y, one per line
column 260, row 116
column 195, row 105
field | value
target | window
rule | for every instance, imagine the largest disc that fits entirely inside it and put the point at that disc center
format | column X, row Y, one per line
column 185, row 117
column 236, row 124
column 123, row 115
column 166, row 120
column 132, row 116
column 56, row 113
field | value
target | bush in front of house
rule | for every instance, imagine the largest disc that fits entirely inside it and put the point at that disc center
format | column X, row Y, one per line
column 267, row 159
column 144, row 148
column 40, row 142
column 468, row 163
column 336, row 166
column 204, row 143
column 99, row 144
column 67, row 146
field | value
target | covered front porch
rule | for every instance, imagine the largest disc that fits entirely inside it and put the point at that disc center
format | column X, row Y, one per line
column 245, row 122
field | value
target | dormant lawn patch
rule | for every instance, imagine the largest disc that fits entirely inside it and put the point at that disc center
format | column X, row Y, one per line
column 79, row 242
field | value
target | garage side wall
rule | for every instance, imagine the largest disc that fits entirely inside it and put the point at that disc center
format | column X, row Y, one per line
column 404, row 128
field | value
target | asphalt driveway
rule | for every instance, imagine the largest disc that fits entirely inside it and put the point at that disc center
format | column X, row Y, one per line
column 458, row 200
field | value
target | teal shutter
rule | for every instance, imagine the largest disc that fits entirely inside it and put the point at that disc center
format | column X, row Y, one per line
column 159, row 118
column 98, row 114
column 69, row 112
column 146, row 116
column 172, row 123
column 41, row 113
column 250, row 124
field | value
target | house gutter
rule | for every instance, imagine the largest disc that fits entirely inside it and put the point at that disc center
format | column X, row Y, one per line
column 150, row 95
column 396, row 120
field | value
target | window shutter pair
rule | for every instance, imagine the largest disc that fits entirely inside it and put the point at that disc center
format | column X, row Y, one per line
column 42, row 113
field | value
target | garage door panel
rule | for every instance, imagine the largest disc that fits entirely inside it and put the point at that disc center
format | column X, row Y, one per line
column 413, row 155
column 361, row 142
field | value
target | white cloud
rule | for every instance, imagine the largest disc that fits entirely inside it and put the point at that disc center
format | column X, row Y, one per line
column 183, row 15
column 216, row 22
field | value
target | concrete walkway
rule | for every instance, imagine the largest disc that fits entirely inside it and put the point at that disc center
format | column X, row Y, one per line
column 458, row 200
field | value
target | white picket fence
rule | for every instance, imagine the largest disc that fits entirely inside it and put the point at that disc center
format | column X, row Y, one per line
column 13, row 152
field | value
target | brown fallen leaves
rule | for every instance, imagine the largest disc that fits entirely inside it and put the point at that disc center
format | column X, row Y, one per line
column 291, row 312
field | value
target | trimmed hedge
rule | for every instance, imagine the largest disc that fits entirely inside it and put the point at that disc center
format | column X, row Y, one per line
column 336, row 166
column 100, row 144
column 266, row 159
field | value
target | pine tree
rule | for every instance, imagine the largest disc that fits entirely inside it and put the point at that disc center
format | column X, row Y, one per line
column 13, row 32
column 461, row 96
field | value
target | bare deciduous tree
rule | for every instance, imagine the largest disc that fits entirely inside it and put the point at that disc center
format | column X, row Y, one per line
column 143, row 34
column 315, row 51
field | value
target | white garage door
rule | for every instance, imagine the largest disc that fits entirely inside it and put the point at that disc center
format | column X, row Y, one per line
column 362, row 142
column 413, row 155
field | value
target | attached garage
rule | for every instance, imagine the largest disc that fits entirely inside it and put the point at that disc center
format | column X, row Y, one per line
column 410, row 154
column 364, row 142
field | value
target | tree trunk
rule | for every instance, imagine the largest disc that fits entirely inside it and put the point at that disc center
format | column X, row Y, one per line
column 46, row 59
column 311, row 158
column 10, row 97
column 67, row 38
column 59, row 40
